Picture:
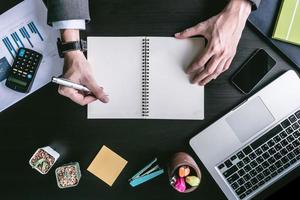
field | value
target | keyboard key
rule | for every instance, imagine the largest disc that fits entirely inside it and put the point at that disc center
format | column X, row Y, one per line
column 252, row 156
column 284, row 159
column 233, row 158
column 266, row 155
column 230, row 171
column 254, row 181
column 265, row 147
column 266, row 136
column 260, row 177
column 247, row 150
column 259, row 159
column 232, row 178
column 283, row 134
column 286, row 165
column 289, row 130
column 296, row 143
column 247, row 168
column 277, row 138
column 277, row 156
column 265, row 164
column 241, row 172
column 296, row 134
column 295, row 126
column 261, row 183
column 259, row 169
column 278, row 147
column 248, row 185
column 266, row 172
column 284, row 142
column 240, row 164
column 283, row 151
column 271, row 143
column 254, row 187
column 267, row 178
column 285, row 123
column 242, row 196
column 290, row 138
column 228, row 163
column 246, row 160
column 296, row 151
column 272, row 151
column 221, row 166
column 292, row 118
column 241, row 181
column 278, row 164
column 240, row 190
column 271, row 160
column 290, row 147
column 272, row 168
column 258, row 151
column 247, row 177
column 240, row 155
column 253, row 173
column 298, row 114
column 253, row 164
column 234, row 185
column 273, row 174
column 293, row 161
column 291, row 155
column 280, row 170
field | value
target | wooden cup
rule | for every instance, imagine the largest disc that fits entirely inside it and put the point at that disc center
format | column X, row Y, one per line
column 183, row 159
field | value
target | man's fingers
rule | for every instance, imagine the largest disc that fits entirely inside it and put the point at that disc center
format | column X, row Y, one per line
column 209, row 70
column 192, row 31
column 227, row 64
column 200, row 61
column 75, row 96
column 97, row 91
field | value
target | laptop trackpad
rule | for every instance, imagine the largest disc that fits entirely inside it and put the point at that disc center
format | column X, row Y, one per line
column 250, row 119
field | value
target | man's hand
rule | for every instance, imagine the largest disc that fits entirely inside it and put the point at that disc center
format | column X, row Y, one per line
column 223, row 33
column 78, row 70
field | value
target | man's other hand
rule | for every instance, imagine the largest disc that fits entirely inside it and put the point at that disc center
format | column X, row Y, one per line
column 223, row 33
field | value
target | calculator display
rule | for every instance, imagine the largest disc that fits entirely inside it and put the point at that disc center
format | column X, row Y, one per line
column 17, row 81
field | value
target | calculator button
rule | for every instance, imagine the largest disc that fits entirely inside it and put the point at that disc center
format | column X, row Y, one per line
column 29, row 76
column 22, row 52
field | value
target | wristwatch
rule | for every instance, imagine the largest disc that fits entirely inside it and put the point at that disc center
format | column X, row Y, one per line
column 64, row 47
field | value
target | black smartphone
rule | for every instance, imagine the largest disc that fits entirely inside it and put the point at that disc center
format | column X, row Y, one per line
column 253, row 71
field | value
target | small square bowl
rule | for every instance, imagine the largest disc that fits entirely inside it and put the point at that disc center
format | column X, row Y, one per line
column 68, row 175
column 43, row 159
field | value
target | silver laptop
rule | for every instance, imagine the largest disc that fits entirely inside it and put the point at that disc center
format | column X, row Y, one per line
column 255, row 144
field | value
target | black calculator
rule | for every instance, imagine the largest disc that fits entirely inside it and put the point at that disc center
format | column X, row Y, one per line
column 23, row 70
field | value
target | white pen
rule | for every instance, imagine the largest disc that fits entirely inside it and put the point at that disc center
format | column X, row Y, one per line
column 67, row 83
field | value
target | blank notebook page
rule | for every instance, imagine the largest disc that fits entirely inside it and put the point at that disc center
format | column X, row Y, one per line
column 117, row 65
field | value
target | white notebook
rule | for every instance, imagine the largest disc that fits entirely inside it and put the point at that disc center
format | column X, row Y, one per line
column 144, row 78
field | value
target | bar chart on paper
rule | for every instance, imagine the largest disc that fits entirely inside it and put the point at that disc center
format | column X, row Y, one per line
column 27, row 35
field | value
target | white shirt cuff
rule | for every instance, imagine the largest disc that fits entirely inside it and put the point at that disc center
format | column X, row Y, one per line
column 70, row 24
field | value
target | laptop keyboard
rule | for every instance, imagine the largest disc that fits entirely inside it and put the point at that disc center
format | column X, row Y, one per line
column 265, row 158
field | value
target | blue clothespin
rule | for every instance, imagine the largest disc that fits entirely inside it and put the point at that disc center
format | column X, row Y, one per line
column 143, row 175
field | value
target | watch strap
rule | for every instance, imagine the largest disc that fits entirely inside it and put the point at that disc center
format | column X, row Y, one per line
column 64, row 47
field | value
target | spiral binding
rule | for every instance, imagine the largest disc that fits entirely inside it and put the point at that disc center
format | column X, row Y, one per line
column 145, row 78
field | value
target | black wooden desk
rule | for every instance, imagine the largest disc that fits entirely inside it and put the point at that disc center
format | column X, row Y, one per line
column 45, row 118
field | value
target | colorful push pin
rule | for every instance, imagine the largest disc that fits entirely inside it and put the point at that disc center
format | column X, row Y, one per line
column 180, row 185
column 193, row 181
column 183, row 171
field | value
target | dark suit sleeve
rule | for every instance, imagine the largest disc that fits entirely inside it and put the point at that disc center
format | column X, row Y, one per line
column 255, row 4
column 59, row 10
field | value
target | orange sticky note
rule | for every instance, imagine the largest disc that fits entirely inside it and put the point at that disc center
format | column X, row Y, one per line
column 107, row 165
